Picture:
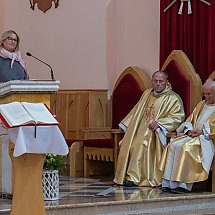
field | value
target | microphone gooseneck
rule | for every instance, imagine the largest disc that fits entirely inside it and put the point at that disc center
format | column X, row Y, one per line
column 52, row 73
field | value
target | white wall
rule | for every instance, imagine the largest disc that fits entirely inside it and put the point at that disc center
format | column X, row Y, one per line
column 137, row 35
column 88, row 43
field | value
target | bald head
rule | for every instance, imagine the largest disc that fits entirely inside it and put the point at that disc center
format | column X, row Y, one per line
column 164, row 74
column 159, row 81
column 209, row 91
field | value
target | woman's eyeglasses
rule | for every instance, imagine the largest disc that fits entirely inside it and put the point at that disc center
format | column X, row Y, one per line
column 12, row 39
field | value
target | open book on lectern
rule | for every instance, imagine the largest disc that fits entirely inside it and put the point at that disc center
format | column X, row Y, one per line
column 25, row 113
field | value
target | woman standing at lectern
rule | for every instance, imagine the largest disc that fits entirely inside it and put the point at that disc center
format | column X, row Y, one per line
column 12, row 66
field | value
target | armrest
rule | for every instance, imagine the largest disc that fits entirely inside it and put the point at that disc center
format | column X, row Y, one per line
column 118, row 135
column 117, row 131
column 212, row 136
column 171, row 134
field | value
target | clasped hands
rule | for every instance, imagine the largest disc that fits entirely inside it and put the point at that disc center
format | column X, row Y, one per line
column 194, row 133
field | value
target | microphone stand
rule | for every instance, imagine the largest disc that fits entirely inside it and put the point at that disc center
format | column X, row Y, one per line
column 52, row 73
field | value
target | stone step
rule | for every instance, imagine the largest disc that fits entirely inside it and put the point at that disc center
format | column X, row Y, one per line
column 183, row 204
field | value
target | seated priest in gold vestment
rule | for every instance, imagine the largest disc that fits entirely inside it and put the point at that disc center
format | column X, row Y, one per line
column 188, row 157
column 159, row 110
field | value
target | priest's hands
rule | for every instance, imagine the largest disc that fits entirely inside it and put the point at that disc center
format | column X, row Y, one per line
column 153, row 125
column 194, row 133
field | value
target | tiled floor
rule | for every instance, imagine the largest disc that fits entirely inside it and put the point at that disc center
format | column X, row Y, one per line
column 85, row 190
column 101, row 189
column 96, row 190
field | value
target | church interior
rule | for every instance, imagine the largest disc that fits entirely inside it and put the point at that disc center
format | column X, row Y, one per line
column 102, row 55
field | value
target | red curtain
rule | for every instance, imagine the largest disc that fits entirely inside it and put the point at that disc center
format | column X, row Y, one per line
column 193, row 33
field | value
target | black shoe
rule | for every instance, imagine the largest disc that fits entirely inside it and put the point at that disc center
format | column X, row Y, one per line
column 129, row 184
column 165, row 189
column 179, row 190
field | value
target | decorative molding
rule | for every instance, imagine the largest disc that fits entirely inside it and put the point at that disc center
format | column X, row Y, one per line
column 21, row 86
column 43, row 5
column 182, row 4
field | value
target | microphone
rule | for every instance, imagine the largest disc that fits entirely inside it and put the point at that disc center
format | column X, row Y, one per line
column 52, row 74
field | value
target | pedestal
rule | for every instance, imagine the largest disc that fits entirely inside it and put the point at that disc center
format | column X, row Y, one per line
column 27, row 166
column 27, row 184
column 37, row 91
column 6, row 166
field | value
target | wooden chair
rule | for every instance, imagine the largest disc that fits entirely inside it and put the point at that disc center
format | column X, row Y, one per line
column 188, row 85
column 184, row 79
column 127, row 91
column 75, row 158
column 212, row 76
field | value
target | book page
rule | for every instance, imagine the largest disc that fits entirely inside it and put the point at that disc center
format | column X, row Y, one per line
column 15, row 114
column 40, row 113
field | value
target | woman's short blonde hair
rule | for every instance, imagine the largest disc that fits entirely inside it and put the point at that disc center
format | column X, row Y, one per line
column 7, row 34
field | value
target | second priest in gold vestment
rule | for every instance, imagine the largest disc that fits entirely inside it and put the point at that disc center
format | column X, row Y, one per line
column 187, row 158
column 158, row 111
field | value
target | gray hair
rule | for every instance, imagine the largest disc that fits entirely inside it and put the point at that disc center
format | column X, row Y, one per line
column 211, row 83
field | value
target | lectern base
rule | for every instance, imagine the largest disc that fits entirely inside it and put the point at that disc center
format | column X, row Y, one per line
column 27, row 184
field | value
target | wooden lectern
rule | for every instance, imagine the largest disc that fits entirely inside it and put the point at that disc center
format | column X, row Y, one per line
column 27, row 168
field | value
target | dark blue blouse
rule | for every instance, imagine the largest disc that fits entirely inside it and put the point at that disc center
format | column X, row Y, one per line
column 7, row 73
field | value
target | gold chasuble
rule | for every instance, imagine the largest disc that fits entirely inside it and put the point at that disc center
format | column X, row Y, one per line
column 187, row 159
column 141, row 148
